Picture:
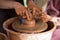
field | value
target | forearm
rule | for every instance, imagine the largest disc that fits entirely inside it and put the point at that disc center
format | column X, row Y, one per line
column 9, row 4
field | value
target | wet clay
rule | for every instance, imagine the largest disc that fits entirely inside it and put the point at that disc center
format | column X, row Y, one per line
column 2, row 37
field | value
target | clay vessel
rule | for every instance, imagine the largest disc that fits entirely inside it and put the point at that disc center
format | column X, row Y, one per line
column 14, row 35
column 3, row 36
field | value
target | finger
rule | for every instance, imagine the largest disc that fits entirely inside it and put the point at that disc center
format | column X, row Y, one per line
column 17, row 12
column 34, row 10
column 28, row 9
column 38, row 10
column 27, row 15
column 24, row 14
column 20, row 13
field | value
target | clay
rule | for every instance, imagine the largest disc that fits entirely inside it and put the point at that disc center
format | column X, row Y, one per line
column 30, row 27
column 3, row 36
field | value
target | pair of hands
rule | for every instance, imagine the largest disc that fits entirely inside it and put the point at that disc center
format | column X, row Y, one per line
column 36, row 11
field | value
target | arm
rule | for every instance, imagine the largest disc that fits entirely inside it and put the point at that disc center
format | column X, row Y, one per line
column 20, row 9
column 9, row 4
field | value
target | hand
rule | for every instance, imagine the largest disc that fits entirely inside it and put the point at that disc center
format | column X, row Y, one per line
column 45, row 17
column 32, row 6
column 36, row 11
column 23, row 12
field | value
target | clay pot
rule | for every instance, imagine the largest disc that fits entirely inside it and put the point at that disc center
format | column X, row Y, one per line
column 14, row 35
column 3, row 36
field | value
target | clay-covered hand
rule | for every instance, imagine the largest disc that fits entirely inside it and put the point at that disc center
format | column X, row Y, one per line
column 37, row 12
column 23, row 12
column 32, row 6
column 45, row 17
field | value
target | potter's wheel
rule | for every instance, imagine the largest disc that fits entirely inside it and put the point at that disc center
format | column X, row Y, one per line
column 39, row 27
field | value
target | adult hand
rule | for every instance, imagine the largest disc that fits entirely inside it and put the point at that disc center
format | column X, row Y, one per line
column 32, row 6
column 37, row 12
column 22, row 12
column 45, row 17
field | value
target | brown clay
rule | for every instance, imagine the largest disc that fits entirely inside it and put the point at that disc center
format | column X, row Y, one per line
column 3, row 36
column 12, row 35
column 31, row 23
column 29, row 27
